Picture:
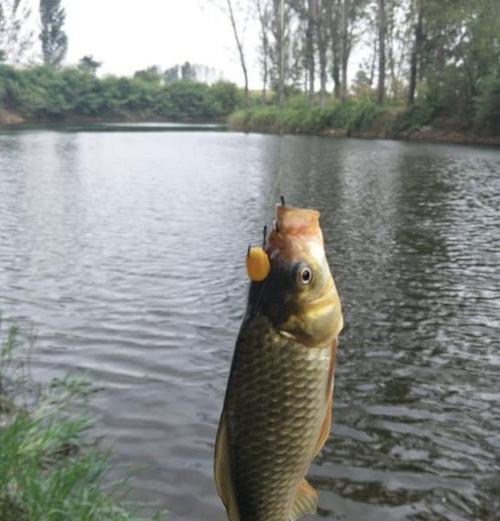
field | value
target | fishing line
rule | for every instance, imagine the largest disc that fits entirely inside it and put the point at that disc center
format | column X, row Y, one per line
column 279, row 179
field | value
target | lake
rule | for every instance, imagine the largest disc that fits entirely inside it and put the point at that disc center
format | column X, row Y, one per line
column 125, row 251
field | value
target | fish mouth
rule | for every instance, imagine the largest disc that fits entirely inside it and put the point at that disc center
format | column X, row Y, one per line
column 294, row 229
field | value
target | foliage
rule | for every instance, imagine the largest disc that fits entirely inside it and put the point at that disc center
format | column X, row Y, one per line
column 52, row 36
column 46, row 472
column 488, row 104
column 16, row 34
column 89, row 64
column 351, row 117
column 47, row 93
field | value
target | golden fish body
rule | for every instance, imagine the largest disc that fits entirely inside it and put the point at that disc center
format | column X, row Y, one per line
column 277, row 410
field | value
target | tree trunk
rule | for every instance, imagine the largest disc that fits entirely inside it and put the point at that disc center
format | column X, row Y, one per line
column 346, row 7
column 310, row 61
column 322, row 48
column 382, row 29
column 281, row 57
column 240, row 47
column 263, row 19
column 373, row 64
column 334, row 16
column 415, row 55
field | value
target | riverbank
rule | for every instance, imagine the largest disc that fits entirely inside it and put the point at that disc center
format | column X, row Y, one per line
column 364, row 120
column 10, row 118
column 49, row 469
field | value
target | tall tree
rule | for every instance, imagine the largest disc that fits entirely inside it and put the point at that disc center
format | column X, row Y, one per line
column 345, row 45
column 89, row 64
column 382, row 32
column 323, row 36
column 239, row 45
column 53, row 38
column 16, row 35
column 415, row 56
column 188, row 71
column 310, row 45
column 281, row 40
column 333, row 15
column 264, row 12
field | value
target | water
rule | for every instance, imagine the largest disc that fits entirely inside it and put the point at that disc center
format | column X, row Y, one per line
column 125, row 250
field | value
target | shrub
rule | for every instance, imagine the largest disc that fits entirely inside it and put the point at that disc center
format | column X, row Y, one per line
column 487, row 104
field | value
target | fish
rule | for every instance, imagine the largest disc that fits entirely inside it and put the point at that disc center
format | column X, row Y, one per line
column 277, row 410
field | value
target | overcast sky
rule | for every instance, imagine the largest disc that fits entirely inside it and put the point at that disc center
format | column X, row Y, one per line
column 128, row 35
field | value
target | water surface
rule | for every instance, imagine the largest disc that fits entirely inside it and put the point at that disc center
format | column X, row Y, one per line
column 125, row 250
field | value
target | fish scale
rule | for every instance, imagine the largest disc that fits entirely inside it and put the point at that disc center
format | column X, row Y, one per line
column 276, row 399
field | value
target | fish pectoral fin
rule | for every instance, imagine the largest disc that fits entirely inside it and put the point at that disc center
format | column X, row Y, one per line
column 326, row 427
column 222, row 471
column 305, row 502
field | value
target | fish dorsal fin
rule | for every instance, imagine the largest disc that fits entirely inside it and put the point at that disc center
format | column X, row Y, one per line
column 222, row 471
column 305, row 502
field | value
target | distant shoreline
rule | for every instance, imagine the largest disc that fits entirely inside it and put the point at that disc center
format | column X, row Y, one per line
column 12, row 118
column 354, row 121
column 426, row 134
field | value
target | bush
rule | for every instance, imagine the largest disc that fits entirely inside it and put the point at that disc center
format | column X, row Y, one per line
column 43, row 93
column 300, row 118
column 487, row 105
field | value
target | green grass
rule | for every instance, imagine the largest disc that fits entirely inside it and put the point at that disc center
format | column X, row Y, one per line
column 48, row 469
column 355, row 118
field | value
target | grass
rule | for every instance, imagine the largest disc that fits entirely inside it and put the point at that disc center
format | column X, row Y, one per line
column 48, row 469
column 356, row 118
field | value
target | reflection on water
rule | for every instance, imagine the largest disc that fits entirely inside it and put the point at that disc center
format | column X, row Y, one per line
column 126, row 252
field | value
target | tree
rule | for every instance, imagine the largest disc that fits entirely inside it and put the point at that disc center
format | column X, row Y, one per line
column 279, row 15
column 265, row 13
column 89, row 64
column 151, row 74
column 16, row 35
column 416, row 51
column 334, row 16
column 310, row 45
column 322, row 38
column 382, row 32
column 53, row 38
column 188, row 72
column 239, row 45
column 171, row 74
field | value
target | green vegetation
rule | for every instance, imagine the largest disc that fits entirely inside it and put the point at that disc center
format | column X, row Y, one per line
column 347, row 118
column 45, row 93
column 52, row 36
column 366, row 118
column 47, row 473
column 430, row 66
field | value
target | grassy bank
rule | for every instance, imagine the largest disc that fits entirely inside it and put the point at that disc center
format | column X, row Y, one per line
column 48, row 469
column 365, row 119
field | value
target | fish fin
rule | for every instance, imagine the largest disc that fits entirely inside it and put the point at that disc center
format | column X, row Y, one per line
column 222, row 471
column 326, row 426
column 305, row 501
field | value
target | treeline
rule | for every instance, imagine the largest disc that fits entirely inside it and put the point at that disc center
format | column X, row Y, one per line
column 42, row 93
column 442, row 56
column 52, row 92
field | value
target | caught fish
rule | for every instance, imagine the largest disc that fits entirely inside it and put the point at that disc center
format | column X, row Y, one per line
column 278, row 406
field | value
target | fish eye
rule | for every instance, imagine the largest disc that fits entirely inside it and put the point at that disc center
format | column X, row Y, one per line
column 304, row 275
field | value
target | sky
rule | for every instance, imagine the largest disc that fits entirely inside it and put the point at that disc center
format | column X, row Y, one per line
column 128, row 35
